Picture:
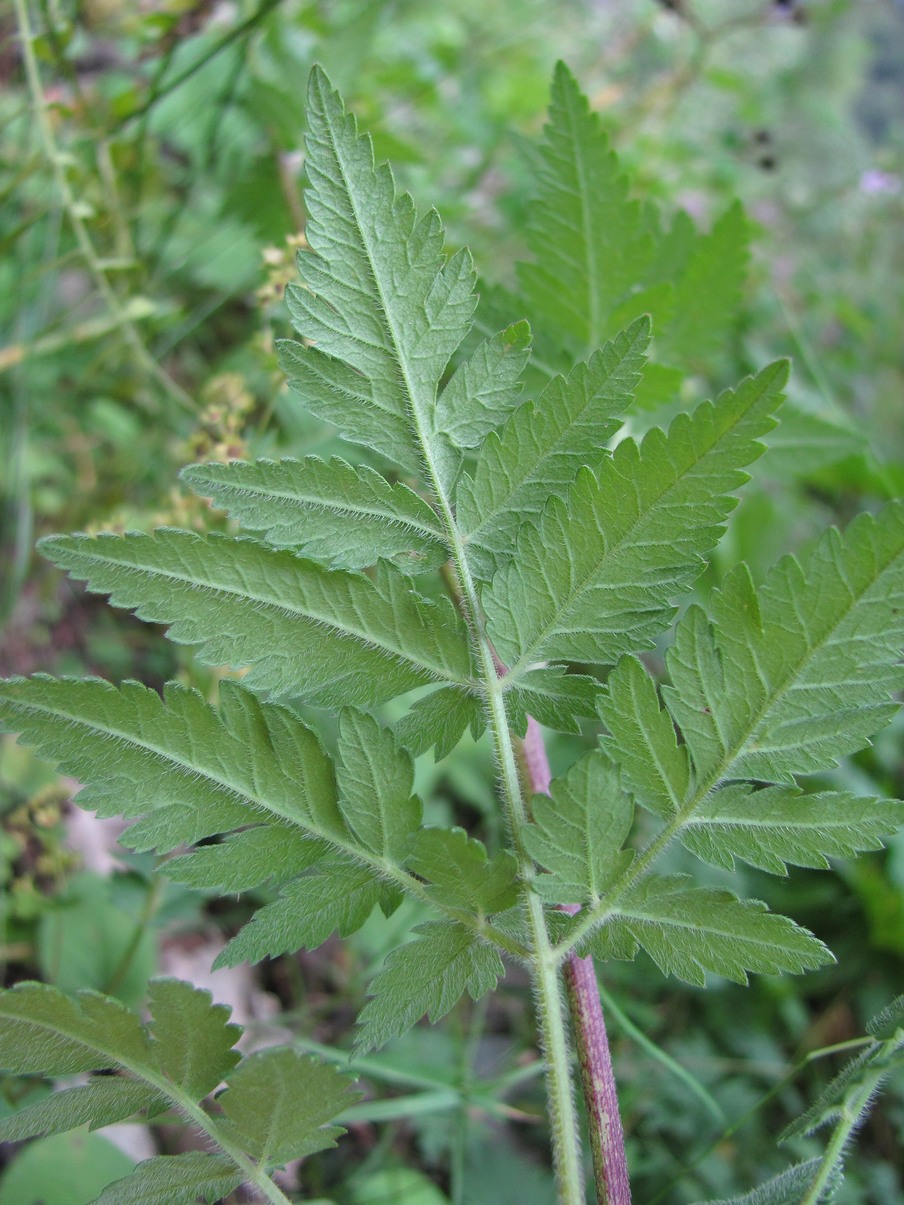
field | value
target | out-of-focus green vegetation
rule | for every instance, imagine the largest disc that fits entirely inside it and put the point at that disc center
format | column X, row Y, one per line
column 151, row 159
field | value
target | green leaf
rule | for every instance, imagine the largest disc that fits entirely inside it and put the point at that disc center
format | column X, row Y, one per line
column 376, row 779
column 689, row 931
column 385, row 311
column 336, row 894
column 194, row 771
column 544, row 443
column 484, row 389
column 103, row 1101
column 554, row 698
column 592, row 245
column 277, row 1104
column 325, row 635
column 779, row 825
column 579, row 830
column 594, row 578
column 193, row 1037
column 707, row 291
column 440, row 719
column 44, row 1032
column 642, row 740
column 428, row 975
column 789, row 678
column 247, row 859
column 461, row 875
column 175, row 1180
column 327, row 510
column 787, row 1188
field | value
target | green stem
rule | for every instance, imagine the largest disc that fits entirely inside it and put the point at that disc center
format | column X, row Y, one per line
column 564, row 1127
column 852, row 1112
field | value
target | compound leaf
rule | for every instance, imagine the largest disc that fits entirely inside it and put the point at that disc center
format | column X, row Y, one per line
column 427, row 975
column 326, row 510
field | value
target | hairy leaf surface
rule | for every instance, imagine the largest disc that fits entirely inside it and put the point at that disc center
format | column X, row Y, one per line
column 642, row 739
column 175, row 1180
column 689, row 931
column 328, row 636
column 779, row 825
column 579, row 830
column 544, row 444
column 327, row 510
column 376, row 780
column 789, row 678
column 277, row 1103
column 377, row 296
column 595, row 577
column 191, row 770
column 428, row 975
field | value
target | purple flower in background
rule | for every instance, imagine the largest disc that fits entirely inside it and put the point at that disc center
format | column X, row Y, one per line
column 875, row 181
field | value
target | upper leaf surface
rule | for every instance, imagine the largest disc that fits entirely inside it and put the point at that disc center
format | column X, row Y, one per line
column 379, row 296
column 544, row 443
column 595, row 577
column 327, row 510
column 326, row 635
column 791, row 677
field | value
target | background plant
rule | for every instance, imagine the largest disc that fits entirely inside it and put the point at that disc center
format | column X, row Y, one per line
column 798, row 509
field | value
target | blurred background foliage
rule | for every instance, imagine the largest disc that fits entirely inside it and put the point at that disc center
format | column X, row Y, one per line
column 151, row 159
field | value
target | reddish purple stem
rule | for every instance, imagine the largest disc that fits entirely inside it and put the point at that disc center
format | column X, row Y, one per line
column 607, row 1139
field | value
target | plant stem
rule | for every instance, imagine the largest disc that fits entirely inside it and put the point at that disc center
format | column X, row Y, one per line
column 607, row 1140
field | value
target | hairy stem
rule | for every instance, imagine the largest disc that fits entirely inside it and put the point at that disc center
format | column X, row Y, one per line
column 607, row 1140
